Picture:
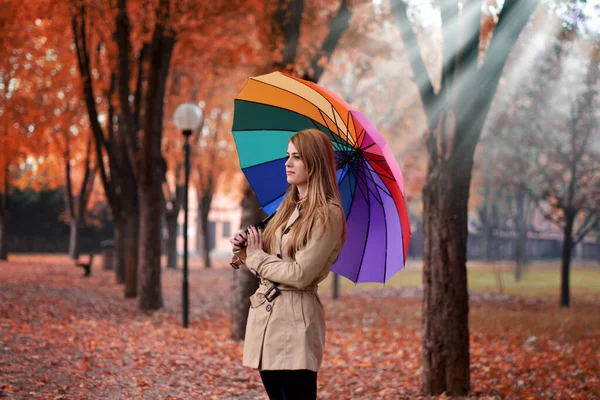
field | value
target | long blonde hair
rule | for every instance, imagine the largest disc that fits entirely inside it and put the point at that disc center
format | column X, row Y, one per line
column 316, row 152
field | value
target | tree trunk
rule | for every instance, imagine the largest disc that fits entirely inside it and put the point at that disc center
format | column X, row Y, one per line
column 490, row 223
column 150, row 291
column 3, row 230
column 112, row 181
column 120, row 227
column 521, row 237
column 445, row 304
column 567, row 249
column 204, row 198
column 488, row 247
column 244, row 282
column 153, row 166
column 74, row 239
column 132, row 243
column 205, row 242
column 172, row 207
column 171, row 219
column 205, row 209
column 467, row 87
column 520, row 253
column 199, row 230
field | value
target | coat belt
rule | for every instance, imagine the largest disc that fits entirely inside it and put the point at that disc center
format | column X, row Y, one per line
column 266, row 285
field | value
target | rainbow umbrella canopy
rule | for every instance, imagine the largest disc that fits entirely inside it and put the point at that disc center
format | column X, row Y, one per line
column 269, row 110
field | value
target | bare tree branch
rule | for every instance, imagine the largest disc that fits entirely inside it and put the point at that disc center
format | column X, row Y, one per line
column 591, row 222
column 337, row 26
column 420, row 73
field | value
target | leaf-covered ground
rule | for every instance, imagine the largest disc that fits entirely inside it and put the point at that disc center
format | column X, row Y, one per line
column 66, row 337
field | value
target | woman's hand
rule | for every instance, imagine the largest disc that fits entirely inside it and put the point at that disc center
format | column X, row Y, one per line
column 254, row 241
column 238, row 240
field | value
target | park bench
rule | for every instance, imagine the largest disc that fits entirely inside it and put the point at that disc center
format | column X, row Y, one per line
column 87, row 266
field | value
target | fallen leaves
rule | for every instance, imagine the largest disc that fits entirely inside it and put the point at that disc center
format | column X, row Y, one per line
column 64, row 337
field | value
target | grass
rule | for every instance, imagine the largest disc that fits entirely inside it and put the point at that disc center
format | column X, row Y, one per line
column 540, row 279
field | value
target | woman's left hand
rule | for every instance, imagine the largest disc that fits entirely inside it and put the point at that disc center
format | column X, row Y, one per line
column 254, row 241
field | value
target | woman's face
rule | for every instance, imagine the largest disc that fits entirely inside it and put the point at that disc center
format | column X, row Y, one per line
column 294, row 167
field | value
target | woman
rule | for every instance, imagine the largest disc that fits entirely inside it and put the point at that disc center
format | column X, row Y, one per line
column 285, row 334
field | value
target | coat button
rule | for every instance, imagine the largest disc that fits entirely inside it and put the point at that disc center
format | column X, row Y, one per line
column 279, row 256
column 269, row 308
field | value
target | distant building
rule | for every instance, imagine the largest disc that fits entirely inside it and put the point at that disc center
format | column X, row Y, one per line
column 223, row 220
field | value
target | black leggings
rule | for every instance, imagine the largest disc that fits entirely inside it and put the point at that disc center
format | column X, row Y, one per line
column 290, row 385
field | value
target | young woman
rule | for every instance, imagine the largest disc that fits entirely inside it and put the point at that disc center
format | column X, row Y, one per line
column 285, row 334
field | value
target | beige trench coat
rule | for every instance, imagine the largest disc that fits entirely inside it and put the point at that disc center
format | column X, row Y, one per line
column 289, row 332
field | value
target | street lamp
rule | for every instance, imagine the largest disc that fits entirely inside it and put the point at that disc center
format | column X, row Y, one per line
column 188, row 118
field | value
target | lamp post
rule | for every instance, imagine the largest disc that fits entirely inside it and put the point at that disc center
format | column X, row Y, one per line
column 188, row 118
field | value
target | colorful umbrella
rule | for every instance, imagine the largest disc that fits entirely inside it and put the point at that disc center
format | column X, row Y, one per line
column 269, row 110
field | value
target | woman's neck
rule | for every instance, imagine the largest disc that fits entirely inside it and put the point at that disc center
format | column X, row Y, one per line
column 301, row 192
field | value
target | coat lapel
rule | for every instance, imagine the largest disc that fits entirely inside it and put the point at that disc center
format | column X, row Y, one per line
column 293, row 218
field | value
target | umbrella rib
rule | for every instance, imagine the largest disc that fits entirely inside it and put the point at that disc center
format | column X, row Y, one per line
column 335, row 120
column 357, row 185
column 349, row 139
column 381, row 174
column 351, row 172
column 374, row 182
column 348, row 126
column 362, row 257
column 336, row 139
column 374, row 160
column 366, row 178
column 350, row 116
column 380, row 199
column 349, row 176
column 384, row 189
column 361, row 135
column 352, row 178
column 340, row 133
column 369, row 146
column 377, row 197
column 386, row 243
column 355, row 170
column 360, row 175
column 371, row 158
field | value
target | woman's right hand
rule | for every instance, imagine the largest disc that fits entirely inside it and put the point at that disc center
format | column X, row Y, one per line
column 239, row 240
